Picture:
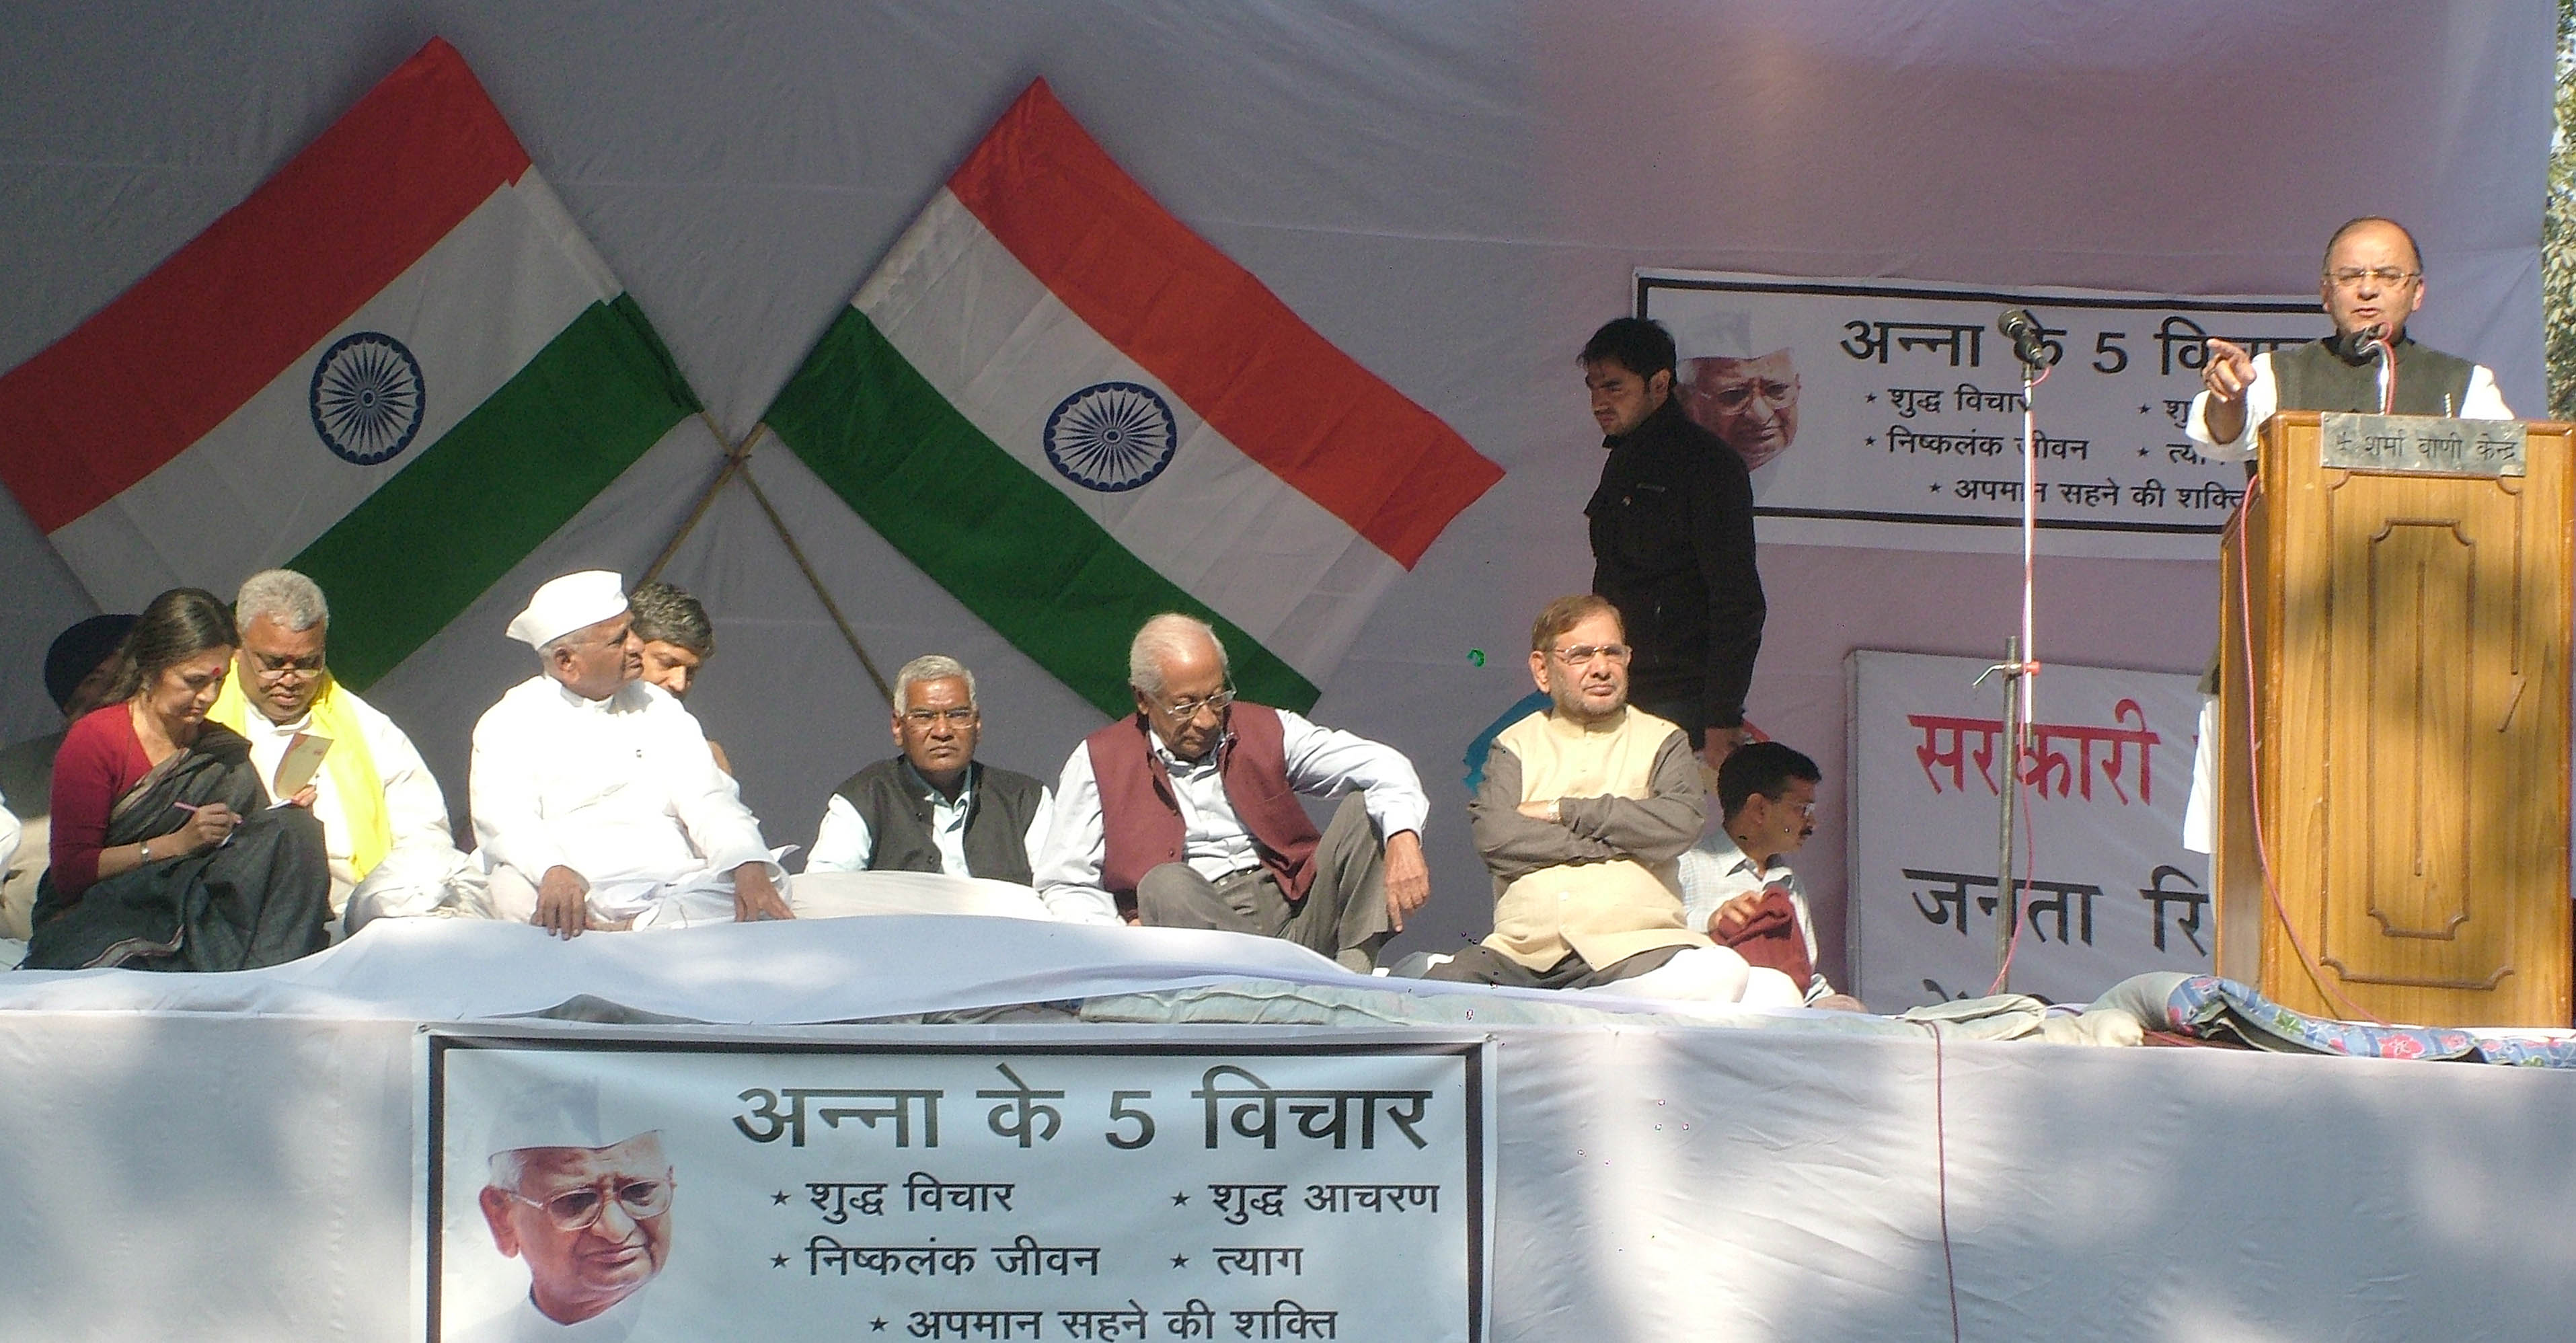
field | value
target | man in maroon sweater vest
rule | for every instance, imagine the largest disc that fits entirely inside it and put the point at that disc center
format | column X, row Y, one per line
column 1186, row 815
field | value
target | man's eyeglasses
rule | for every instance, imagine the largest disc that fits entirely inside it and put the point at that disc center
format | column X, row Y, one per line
column 574, row 1209
column 1187, row 709
column 1738, row 396
column 2388, row 277
column 276, row 671
column 1583, row 654
column 960, row 717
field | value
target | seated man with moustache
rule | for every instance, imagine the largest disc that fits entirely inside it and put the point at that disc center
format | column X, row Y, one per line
column 1584, row 808
column 1186, row 814
column 384, row 820
column 1736, row 886
column 596, row 801
column 934, row 807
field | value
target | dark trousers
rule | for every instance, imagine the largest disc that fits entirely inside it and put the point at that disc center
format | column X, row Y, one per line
column 1343, row 915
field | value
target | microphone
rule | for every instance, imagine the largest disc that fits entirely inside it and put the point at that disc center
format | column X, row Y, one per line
column 2372, row 340
column 2021, row 327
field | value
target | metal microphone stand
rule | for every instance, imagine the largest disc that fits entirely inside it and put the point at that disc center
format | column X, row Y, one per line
column 2017, row 668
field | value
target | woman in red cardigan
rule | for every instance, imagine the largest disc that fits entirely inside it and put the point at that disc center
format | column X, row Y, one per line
column 166, row 854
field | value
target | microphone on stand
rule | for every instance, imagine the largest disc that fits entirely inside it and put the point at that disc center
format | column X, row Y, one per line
column 2021, row 327
column 2373, row 341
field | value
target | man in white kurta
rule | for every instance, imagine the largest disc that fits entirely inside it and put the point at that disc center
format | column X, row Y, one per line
column 392, row 852
column 596, row 802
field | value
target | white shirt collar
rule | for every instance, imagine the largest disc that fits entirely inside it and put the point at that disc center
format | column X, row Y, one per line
column 965, row 788
column 1177, row 765
column 1736, row 859
column 622, row 700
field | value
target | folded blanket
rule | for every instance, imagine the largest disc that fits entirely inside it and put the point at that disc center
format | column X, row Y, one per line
column 2210, row 1008
column 1770, row 938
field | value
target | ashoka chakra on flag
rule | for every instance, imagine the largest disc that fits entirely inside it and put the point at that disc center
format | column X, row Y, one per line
column 403, row 415
column 367, row 398
column 1110, row 437
column 1074, row 413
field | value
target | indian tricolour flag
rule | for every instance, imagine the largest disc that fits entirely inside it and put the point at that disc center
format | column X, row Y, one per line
column 398, row 367
column 1072, row 412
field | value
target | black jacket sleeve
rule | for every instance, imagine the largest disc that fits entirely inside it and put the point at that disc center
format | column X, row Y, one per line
column 1723, row 542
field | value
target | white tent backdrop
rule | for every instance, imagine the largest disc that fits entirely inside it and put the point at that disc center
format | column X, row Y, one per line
column 220, row 1157
column 1456, row 193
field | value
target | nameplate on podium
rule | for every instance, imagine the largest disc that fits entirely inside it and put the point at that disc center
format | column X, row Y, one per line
column 2423, row 444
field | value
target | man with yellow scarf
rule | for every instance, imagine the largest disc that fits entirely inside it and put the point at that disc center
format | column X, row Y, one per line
column 383, row 818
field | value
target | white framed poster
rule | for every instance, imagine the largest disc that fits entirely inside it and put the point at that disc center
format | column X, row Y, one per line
column 586, row 1185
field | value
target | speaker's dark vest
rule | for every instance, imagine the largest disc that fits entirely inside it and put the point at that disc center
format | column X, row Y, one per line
column 1140, row 819
column 896, row 804
column 2318, row 376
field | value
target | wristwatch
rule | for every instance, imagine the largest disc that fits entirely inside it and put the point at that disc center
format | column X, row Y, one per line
column 143, row 852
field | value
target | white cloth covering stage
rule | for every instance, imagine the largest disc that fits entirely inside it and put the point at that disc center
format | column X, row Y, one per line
column 232, row 1156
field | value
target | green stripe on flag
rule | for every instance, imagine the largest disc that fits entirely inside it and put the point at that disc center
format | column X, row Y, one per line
column 401, row 565
column 1017, row 552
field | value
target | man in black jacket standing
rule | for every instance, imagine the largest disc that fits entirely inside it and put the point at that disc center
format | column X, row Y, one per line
column 1672, row 541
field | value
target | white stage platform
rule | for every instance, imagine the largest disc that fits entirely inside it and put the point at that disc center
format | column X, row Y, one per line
column 232, row 1157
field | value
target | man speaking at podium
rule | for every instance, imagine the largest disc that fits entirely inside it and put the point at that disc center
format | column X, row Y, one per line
column 2373, row 282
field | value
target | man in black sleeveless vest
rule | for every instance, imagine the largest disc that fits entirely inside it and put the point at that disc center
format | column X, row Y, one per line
column 2373, row 282
column 934, row 808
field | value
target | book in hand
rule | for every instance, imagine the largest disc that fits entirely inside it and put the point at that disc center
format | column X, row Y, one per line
column 303, row 759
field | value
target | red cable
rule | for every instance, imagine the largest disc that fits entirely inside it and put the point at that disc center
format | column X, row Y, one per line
column 1941, row 1169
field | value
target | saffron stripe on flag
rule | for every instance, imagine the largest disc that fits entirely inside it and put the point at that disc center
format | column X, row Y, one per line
column 402, row 564
column 473, row 310
column 1215, row 522
column 1214, row 334
column 1030, row 563
column 163, row 364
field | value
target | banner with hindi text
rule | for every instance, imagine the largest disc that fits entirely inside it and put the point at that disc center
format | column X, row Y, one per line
column 1052, row 1188
column 2111, row 893
column 1886, row 414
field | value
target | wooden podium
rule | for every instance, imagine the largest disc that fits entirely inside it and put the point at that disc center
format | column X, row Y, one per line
column 2397, row 746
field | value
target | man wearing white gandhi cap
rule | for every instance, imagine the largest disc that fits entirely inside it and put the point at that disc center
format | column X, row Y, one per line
column 1737, row 381
column 585, row 1202
column 596, row 801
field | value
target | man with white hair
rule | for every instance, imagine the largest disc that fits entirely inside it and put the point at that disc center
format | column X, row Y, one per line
column 596, row 801
column 1737, row 382
column 585, row 1205
column 1186, row 815
column 384, row 820
column 934, row 807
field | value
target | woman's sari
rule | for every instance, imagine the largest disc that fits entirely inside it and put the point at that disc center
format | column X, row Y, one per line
column 260, row 898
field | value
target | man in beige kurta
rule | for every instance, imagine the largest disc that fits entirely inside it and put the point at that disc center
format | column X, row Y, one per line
column 1583, row 814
